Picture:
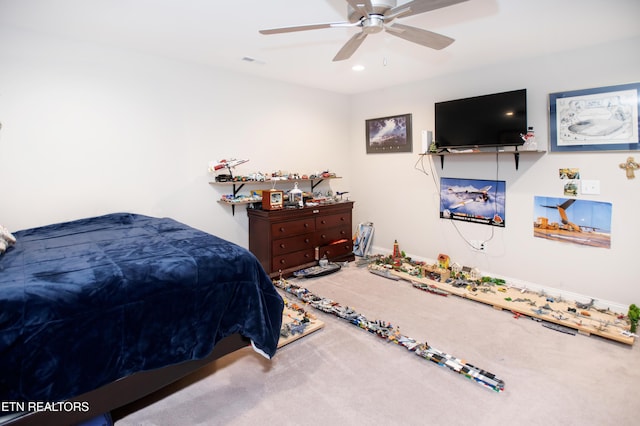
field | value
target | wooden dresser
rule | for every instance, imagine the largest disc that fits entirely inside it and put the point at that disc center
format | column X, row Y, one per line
column 291, row 239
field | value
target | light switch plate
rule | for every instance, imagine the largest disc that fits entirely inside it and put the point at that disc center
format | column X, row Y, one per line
column 590, row 187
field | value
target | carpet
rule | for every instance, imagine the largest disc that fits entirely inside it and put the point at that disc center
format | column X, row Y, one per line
column 345, row 375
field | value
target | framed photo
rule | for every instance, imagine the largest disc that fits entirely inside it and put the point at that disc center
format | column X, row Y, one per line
column 600, row 119
column 389, row 134
column 473, row 200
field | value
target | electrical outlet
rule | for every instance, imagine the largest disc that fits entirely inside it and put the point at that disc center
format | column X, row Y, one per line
column 477, row 244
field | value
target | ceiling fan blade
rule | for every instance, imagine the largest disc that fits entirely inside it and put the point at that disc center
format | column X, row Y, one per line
column 419, row 6
column 350, row 47
column 420, row 36
column 363, row 6
column 305, row 28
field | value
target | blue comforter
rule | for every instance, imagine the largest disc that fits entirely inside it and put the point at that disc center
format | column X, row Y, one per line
column 87, row 302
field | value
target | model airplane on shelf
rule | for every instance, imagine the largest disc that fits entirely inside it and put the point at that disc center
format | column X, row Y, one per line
column 225, row 164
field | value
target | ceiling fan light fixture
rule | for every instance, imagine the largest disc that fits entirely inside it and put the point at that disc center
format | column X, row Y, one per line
column 358, row 68
column 373, row 24
column 374, row 16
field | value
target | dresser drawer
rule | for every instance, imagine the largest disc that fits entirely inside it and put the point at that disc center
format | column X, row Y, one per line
column 333, row 220
column 326, row 236
column 295, row 243
column 292, row 260
column 293, row 227
column 333, row 251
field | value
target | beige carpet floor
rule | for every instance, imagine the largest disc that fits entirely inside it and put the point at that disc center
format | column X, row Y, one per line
column 344, row 375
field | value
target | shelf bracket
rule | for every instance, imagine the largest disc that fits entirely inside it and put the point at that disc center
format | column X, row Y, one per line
column 313, row 186
column 236, row 189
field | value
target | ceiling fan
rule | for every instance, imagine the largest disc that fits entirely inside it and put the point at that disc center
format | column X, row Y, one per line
column 373, row 16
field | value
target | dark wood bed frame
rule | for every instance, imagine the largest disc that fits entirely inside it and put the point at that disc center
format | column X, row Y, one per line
column 128, row 389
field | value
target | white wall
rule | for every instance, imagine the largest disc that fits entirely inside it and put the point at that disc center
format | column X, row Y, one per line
column 88, row 130
column 403, row 203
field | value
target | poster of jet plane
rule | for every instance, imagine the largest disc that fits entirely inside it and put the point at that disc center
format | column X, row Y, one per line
column 574, row 221
column 473, row 200
column 389, row 134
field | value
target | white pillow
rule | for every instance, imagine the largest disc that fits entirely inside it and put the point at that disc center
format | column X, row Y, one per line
column 6, row 239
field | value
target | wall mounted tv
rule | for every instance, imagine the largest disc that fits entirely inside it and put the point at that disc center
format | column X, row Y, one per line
column 483, row 121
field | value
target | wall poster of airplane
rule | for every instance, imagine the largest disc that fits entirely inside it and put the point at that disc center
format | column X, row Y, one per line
column 473, row 200
column 574, row 221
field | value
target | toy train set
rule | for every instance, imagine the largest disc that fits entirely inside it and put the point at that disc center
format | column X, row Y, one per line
column 392, row 334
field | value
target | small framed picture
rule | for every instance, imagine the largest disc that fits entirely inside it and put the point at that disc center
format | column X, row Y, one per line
column 389, row 134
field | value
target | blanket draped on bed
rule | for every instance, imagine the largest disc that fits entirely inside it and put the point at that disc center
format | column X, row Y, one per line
column 87, row 302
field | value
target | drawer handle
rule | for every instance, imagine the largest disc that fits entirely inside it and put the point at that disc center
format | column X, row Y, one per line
column 306, row 240
column 307, row 255
column 306, row 225
column 324, row 222
column 342, row 232
column 282, row 262
column 281, row 229
column 282, row 245
column 323, row 236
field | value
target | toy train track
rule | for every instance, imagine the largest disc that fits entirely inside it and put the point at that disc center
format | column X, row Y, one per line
column 392, row 334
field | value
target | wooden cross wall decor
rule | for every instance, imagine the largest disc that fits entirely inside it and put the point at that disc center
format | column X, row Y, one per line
column 630, row 166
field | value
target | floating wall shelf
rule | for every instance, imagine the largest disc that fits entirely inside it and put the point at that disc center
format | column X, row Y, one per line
column 238, row 185
column 516, row 155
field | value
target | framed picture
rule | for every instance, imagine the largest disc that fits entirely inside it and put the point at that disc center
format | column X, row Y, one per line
column 600, row 119
column 473, row 200
column 389, row 134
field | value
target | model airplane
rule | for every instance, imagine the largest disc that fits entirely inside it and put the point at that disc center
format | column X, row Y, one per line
column 580, row 305
column 228, row 164
column 476, row 195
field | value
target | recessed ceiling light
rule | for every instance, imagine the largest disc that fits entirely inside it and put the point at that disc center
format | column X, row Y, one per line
column 250, row 59
column 358, row 68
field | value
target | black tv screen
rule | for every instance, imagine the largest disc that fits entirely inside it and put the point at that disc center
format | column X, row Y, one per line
column 492, row 120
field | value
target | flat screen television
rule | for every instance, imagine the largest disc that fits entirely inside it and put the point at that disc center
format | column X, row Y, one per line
column 493, row 120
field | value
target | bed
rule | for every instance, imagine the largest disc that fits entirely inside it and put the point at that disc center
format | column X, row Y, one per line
column 105, row 310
